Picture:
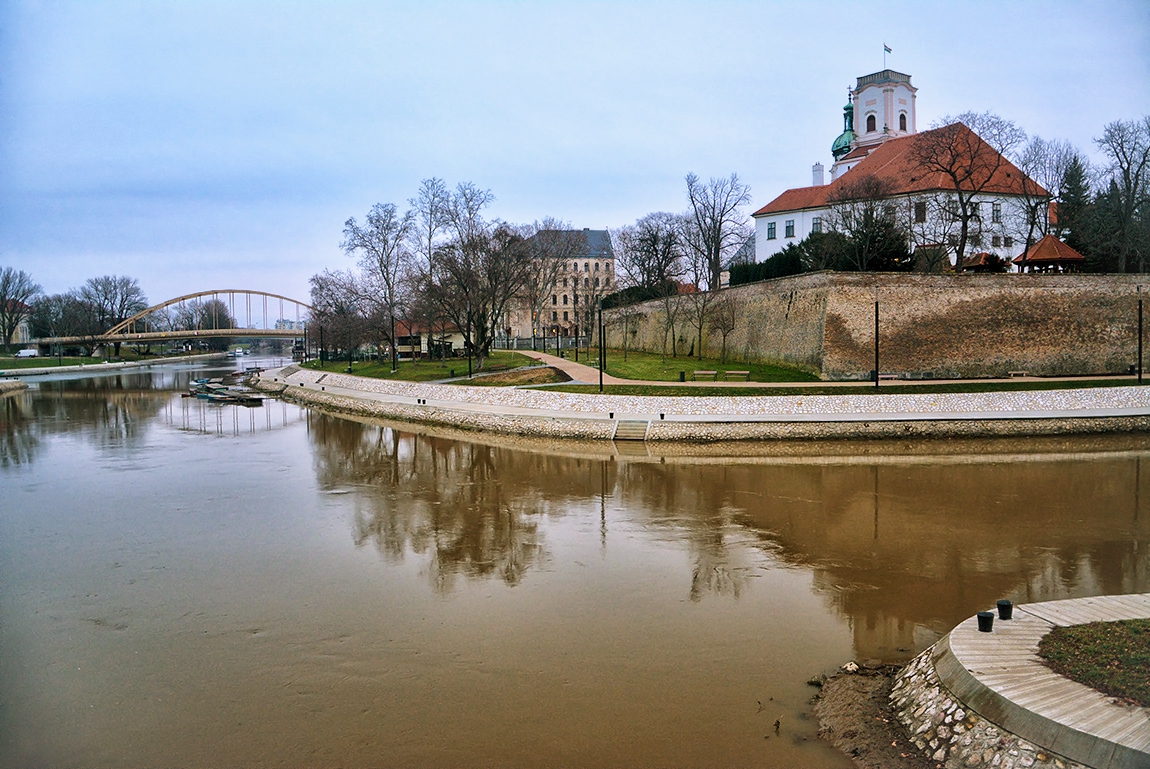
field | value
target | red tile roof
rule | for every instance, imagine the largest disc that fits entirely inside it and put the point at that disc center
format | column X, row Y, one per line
column 893, row 162
column 1050, row 250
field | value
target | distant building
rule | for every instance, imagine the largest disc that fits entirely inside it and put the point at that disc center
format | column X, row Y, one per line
column 570, row 297
column 882, row 149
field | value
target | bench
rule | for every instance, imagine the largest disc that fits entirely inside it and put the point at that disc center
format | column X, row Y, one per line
column 712, row 375
column 1013, row 374
column 888, row 376
column 740, row 375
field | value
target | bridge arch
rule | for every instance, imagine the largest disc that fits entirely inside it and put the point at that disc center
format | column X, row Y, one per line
column 127, row 325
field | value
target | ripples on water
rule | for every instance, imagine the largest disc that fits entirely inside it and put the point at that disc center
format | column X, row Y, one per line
column 195, row 585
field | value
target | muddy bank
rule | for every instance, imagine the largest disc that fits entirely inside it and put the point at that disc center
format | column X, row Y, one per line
column 854, row 715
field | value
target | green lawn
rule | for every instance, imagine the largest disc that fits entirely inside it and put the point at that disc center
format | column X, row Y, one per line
column 651, row 367
column 860, row 389
column 424, row 370
column 1112, row 657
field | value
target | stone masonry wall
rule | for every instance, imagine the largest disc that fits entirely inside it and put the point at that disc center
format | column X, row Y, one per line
column 930, row 326
column 954, row 736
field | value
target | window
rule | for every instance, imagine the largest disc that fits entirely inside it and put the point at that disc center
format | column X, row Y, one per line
column 554, row 316
column 586, row 266
column 586, row 283
column 770, row 230
column 575, row 266
column 976, row 239
column 607, row 267
column 596, row 281
column 870, row 123
column 952, row 240
column 920, row 213
column 995, row 241
column 817, row 224
column 975, row 209
column 596, row 267
column 565, row 315
column 564, row 299
column 1008, row 241
column 565, row 283
column 996, row 213
column 902, row 122
column 790, row 228
column 554, row 299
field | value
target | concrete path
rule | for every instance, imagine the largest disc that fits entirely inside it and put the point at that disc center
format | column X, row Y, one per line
column 1000, row 676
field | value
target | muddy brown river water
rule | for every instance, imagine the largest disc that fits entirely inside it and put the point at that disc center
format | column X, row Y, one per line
column 190, row 585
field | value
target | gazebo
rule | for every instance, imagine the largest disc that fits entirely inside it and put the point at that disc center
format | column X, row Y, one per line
column 1050, row 255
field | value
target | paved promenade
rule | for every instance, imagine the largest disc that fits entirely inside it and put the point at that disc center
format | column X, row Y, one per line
column 1000, row 676
column 548, row 413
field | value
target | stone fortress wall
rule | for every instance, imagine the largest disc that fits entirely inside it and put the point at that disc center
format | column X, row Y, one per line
column 930, row 326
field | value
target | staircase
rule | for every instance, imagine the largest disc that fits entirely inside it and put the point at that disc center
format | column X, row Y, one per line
column 631, row 430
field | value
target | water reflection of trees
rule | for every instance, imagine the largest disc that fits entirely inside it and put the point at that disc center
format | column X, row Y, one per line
column 111, row 417
column 470, row 509
column 904, row 549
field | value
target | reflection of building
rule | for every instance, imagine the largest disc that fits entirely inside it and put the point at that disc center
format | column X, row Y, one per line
column 877, row 157
column 568, row 289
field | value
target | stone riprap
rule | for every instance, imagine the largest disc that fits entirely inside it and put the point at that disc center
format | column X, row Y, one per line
column 930, row 326
column 719, row 418
column 11, row 386
column 955, row 736
column 987, row 699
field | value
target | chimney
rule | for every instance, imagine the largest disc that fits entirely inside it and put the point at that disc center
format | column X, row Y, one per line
column 817, row 175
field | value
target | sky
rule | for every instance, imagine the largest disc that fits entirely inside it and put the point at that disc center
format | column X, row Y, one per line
column 204, row 145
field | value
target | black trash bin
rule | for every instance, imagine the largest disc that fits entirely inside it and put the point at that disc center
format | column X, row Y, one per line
column 1005, row 609
column 985, row 621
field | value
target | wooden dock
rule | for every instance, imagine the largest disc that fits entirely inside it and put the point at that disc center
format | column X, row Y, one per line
column 1000, row 676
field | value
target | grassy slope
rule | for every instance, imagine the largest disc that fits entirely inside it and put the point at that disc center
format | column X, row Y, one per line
column 424, row 371
column 652, row 367
column 1112, row 657
column 861, row 389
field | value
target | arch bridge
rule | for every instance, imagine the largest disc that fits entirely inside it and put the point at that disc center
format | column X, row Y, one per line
column 205, row 314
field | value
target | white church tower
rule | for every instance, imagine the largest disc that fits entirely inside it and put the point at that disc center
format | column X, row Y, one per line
column 881, row 107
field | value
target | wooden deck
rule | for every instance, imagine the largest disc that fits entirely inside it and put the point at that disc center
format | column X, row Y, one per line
column 1000, row 676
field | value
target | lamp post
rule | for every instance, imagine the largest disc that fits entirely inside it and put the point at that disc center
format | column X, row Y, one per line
column 602, row 351
column 394, row 351
column 1140, row 335
column 876, row 337
column 576, row 338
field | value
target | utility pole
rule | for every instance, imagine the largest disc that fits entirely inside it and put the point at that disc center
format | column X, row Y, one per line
column 876, row 337
column 602, row 351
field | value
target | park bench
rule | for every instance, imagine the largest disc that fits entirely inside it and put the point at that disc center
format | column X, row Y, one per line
column 712, row 375
column 737, row 375
column 888, row 376
column 1013, row 374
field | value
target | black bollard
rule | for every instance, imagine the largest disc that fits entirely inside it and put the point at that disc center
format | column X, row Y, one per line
column 985, row 621
column 1005, row 609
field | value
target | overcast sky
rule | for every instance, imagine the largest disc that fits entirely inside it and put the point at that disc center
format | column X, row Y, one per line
column 215, row 145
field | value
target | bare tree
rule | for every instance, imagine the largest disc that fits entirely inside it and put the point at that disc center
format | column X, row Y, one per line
column 724, row 319
column 672, row 309
column 715, row 227
column 112, row 299
column 381, row 246
column 337, row 309
column 17, row 290
column 1127, row 145
column 698, row 300
column 968, row 151
column 651, row 251
column 1044, row 162
column 862, row 210
column 430, row 209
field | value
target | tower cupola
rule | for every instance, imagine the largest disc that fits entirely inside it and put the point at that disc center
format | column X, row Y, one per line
column 842, row 144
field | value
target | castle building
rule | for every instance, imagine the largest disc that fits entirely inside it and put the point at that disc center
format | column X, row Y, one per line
column 880, row 145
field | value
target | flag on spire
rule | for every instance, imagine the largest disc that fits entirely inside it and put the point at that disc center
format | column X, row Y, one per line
column 886, row 48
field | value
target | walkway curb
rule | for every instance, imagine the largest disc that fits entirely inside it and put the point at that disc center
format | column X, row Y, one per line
column 551, row 414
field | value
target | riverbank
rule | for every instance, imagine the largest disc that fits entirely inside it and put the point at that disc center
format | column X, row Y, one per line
column 95, row 368
column 547, row 414
column 11, row 385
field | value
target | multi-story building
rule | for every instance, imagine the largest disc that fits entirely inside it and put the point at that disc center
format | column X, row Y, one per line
column 564, row 290
column 886, row 153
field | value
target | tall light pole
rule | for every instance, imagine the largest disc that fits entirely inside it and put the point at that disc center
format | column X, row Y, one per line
column 1140, row 335
column 876, row 337
column 602, row 350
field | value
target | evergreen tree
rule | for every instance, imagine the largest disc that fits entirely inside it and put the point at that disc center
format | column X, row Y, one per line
column 1075, row 208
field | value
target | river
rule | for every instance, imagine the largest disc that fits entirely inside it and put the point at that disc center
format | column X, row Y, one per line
column 194, row 585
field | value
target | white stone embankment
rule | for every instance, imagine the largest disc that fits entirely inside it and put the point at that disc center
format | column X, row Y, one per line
column 547, row 413
column 11, row 385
